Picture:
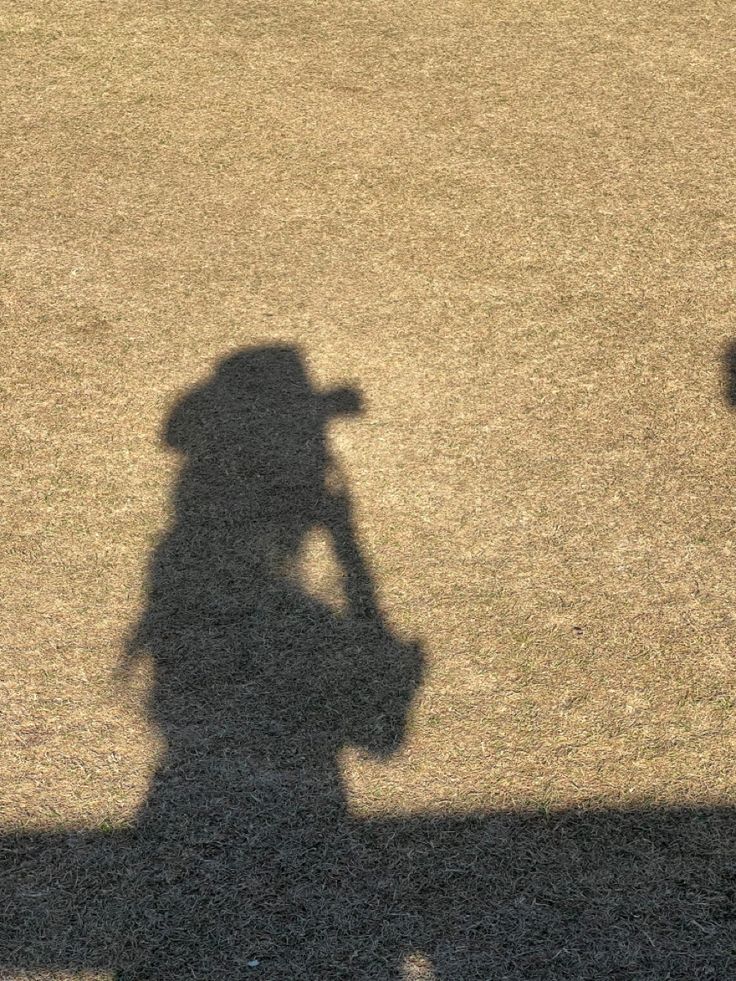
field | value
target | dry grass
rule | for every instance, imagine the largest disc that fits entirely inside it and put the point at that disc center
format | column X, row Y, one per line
column 508, row 230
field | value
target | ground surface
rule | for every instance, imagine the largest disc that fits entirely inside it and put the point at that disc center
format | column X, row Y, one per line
column 508, row 231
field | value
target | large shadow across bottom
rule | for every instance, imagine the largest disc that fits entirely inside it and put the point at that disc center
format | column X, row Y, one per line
column 244, row 860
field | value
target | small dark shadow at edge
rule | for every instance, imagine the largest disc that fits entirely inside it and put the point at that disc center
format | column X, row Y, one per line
column 729, row 373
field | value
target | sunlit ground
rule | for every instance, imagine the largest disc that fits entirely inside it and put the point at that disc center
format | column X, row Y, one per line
column 508, row 230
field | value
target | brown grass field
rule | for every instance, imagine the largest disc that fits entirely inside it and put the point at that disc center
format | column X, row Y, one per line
column 369, row 552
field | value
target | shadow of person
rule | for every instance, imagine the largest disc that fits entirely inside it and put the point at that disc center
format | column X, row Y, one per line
column 258, row 687
column 244, row 859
